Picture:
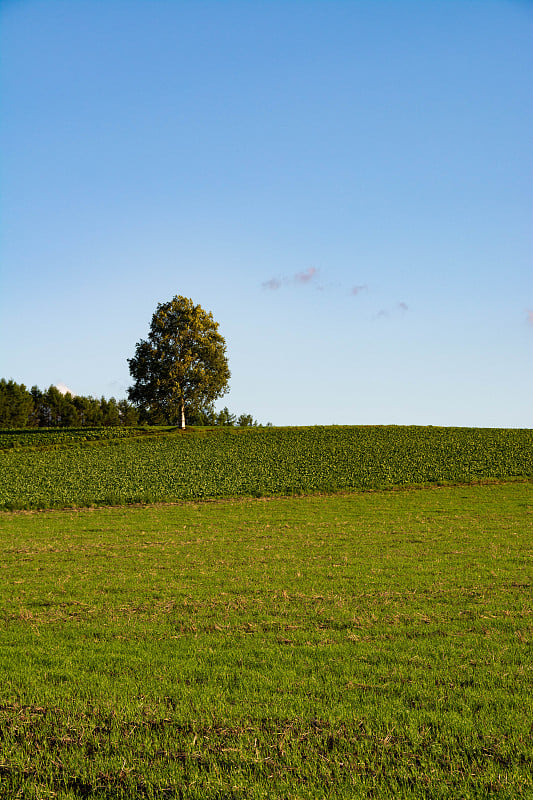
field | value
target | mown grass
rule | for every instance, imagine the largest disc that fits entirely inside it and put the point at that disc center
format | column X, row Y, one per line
column 367, row 645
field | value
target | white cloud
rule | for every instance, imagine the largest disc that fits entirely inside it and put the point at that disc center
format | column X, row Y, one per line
column 61, row 387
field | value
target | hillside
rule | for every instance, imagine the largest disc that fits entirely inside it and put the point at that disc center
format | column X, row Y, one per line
column 115, row 466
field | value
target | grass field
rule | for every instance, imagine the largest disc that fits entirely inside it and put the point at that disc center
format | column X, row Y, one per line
column 373, row 645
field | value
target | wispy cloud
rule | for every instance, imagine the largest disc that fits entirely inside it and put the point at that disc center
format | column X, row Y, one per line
column 386, row 312
column 273, row 284
column 529, row 313
column 298, row 279
column 306, row 276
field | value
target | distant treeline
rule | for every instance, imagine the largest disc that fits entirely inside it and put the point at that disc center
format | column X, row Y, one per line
column 33, row 408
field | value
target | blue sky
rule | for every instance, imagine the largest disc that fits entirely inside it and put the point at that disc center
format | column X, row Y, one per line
column 347, row 186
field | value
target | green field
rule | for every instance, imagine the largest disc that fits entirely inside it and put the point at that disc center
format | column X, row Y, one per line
column 55, row 468
column 366, row 645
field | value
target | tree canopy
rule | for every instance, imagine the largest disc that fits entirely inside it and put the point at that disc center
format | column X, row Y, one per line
column 23, row 408
column 181, row 368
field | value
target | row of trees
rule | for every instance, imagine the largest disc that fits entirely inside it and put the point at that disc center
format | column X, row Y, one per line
column 23, row 408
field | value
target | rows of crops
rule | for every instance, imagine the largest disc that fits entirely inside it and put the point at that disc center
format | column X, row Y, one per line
column 267, row 461
column 49, row 437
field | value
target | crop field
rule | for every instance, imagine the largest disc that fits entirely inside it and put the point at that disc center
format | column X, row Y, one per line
column 46, row 438
column 363, row 645
column 135, row 466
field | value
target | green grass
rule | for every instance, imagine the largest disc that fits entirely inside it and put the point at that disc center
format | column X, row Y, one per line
column 368, row 645
column 169, row 466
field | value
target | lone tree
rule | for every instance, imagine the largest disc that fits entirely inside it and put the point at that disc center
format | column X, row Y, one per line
column 182, row 365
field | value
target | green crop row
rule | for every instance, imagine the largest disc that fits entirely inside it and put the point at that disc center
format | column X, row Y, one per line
column 48, row 437
column 260, row 462
column 53, row 437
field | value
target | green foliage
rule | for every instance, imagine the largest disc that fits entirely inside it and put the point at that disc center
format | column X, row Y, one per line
column 20, row 408
column 181, row 365
column 51, row 438
column 245, row 421
column 361, row 646
column 209, row 417
column 233, row 462
column 225, row 417
column 52, row 409
column 16, row 404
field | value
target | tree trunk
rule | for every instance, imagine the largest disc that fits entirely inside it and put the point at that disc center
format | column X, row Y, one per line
column 182, row 414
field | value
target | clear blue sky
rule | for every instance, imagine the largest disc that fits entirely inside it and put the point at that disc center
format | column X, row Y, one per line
column 347, row 186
